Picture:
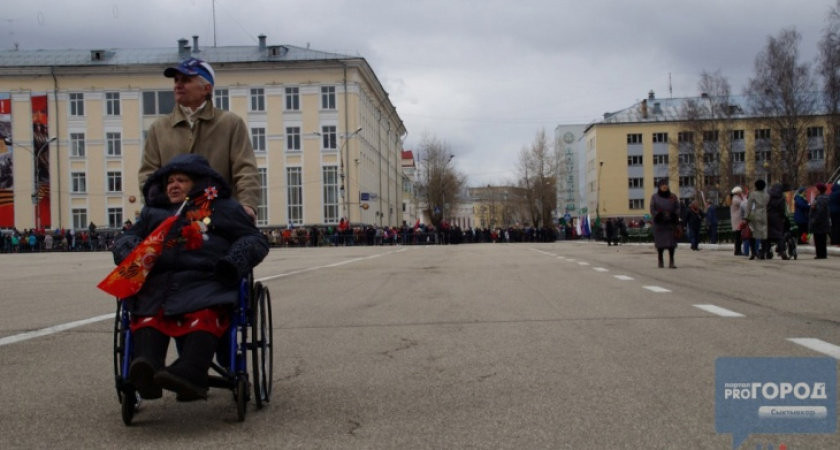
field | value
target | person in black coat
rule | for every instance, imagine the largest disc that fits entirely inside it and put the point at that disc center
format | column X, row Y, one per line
column 777, row 220
column 194, row 281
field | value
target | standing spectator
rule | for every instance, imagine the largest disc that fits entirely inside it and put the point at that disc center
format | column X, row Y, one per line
column 736, row 218
column 819, row 222
column 834, row 213
column 801, row 207
column 712, row 222
column 757, row 219
column 195, row 126
column 622, row 229
column 610, row 231
column 776, row 220
column 665, row 210
column 693, row 219
column 48, row 242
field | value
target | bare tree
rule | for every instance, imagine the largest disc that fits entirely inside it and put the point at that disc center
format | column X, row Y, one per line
column 783, row 94
column 828, row 66
column 537, row 173
column 439, row 184
column 705, row 149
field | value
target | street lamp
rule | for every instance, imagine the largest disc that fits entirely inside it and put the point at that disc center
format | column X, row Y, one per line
column 341, row 156
column 36, row 183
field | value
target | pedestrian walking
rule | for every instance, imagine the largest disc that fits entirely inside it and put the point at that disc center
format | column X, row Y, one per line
column 757, row 219
column 665, row 210
column 819, row 222
column 712, row 222
column 801, row 208
column 736, row 218
column 777, row 220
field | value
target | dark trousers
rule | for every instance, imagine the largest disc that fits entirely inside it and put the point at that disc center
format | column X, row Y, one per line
column 738, row 242
column 820, row 245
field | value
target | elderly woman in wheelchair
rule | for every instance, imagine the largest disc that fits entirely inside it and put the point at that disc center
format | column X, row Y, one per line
column 193, row 244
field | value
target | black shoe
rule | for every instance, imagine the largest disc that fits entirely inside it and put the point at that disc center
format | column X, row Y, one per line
column 752, row 257
column 174, row 379
column 141, row 375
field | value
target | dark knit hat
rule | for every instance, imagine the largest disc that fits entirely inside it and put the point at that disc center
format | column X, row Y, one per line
column 196, row 166
column 821, row 187
column 760, row 185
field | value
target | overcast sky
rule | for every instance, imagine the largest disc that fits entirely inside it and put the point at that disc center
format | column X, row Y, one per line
column 482, row 75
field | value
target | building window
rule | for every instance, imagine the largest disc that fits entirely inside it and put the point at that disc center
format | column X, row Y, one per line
column 635, row 161
column 115, row 217
column 114, row 181
column 293, row 139
column 77, row 104
column 739, row 156
column 685, row 136
column 637, row 203
column 114, row 144
column 711, row 157
column 660, row 138
column 294, row 194
column 686, row 158
column 635, row 183
column 711, row 180
column 112, row 103
column 737, row 135
column 634, row 138
column 763, row 155
column 221, row 99
column 710, row 136
column 77, row 145
column 815, row 132
column 331, row 200
column 327, row 97
column 816, row 154
column 80, row 221
column 262, row 207
column 762, row 133
column 292, row 99
column 157, row 103
column 687, row 181
column 660, row 159
column 257, row 99
column 258, row 139
column 78, row 182
column 329, row 135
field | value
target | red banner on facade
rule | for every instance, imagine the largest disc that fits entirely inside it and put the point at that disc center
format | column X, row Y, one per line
column 41, row 152
column 7, row 179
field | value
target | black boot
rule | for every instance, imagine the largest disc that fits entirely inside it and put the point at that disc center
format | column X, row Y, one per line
column 187, row 376
column 661, row 261
column 150, row 347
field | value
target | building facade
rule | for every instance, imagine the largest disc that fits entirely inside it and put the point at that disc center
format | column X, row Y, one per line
column 630, row 150
column 326, row 137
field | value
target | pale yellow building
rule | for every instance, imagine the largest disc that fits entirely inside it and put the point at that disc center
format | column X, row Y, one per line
column 326, row 137
column 630, row 150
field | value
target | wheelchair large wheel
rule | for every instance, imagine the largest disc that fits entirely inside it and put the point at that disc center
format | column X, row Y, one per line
column 262, row 344
column 120, row 352
column 130, row 402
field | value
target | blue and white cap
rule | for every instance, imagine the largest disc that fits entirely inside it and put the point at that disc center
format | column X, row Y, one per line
column 192, row 67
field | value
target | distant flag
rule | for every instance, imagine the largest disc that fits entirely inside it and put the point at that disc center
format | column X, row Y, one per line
column 587, row 231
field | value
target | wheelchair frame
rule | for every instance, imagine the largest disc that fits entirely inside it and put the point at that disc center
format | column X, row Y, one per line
column 250, row 316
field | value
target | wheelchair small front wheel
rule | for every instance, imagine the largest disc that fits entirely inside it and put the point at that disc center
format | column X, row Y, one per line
column 241, row 397
column 130, row 403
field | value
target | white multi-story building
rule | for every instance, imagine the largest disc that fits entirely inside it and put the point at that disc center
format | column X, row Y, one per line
column 324, row 132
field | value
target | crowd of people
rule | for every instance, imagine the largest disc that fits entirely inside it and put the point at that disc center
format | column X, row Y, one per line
column 57, row 240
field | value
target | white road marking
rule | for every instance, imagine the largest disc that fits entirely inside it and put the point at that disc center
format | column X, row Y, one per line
column 723, row 312
column 656, row 289
column 571, row 259
column 624, row 277
column 818, row 346
column 600, row 269
column 582, row 263
column 67, row 326
column 52, row 330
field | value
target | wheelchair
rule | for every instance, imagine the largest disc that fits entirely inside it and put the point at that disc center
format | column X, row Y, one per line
column 250, row 331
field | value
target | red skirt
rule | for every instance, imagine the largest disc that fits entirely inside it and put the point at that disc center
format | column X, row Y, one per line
column 214, row 320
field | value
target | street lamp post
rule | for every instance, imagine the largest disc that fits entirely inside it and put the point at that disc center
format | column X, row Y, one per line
column 36, row 182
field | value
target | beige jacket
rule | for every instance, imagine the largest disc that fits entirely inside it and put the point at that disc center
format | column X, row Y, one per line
column 220, row 136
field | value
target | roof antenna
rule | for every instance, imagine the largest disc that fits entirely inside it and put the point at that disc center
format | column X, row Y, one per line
column 670, row 86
